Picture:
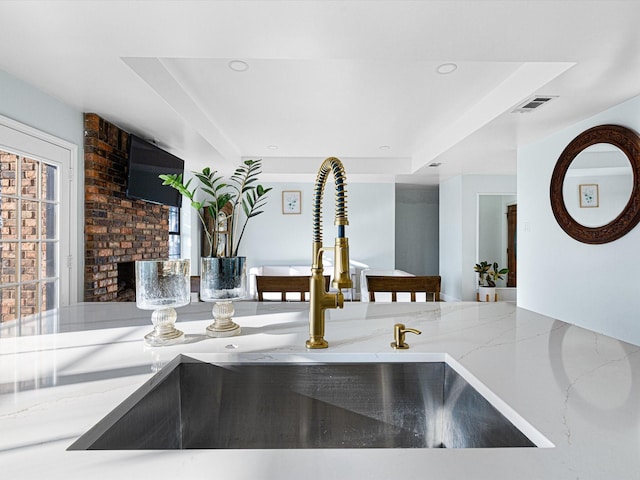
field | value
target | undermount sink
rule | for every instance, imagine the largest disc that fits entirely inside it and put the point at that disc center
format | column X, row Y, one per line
column 192, row 404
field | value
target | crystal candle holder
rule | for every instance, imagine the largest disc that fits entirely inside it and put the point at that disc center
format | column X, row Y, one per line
column 162, row 286
column 222, row 280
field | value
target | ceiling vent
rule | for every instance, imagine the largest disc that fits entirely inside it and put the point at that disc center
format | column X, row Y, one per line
column 534, row 103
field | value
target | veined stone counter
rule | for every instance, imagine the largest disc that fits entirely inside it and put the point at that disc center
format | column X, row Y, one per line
column 577, row 388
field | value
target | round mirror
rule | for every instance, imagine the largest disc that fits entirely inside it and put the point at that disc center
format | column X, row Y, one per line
column 594, row 192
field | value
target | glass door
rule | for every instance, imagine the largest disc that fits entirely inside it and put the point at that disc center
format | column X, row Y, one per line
column 29, row 241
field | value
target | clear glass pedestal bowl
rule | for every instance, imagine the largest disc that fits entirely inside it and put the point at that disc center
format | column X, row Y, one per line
column 222, row 280
column 163, row 286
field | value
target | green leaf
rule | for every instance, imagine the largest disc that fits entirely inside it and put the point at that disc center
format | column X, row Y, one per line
column 209, row 191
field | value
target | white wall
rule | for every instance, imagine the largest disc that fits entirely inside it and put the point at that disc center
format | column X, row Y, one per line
column 459, row 227
column 30, row 106
column 416, row 229
column 451, row 238
column 594, row 286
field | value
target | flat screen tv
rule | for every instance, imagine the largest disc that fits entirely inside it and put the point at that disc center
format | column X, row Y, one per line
column 146, row 163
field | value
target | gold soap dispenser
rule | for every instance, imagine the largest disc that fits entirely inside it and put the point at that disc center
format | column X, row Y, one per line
column 399, row 331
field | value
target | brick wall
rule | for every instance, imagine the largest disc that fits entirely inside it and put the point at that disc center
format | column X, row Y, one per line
column 117, row 229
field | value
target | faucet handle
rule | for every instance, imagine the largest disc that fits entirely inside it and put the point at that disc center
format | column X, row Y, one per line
column 341, row 274
column 399, row 331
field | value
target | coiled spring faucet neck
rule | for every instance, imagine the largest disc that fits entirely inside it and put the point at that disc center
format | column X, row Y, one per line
column 331, row 164
column 320, row 300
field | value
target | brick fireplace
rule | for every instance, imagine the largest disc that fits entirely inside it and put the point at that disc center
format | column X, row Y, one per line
column 118, row 230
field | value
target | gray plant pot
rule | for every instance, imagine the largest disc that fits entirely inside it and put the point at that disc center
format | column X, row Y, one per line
column 223, row 278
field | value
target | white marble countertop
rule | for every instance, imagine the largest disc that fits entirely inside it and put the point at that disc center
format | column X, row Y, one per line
column 576, row 387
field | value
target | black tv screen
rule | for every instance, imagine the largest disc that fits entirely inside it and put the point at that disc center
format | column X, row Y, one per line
column 146, row 163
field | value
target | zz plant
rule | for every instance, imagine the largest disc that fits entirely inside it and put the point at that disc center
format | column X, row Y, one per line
column 224, row 202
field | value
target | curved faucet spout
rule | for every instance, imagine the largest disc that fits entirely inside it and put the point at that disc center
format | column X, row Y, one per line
column 320, row 300
column 331, row 164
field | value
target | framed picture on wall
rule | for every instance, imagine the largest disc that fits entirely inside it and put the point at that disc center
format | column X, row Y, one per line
column 589, row 195
column 291, row 202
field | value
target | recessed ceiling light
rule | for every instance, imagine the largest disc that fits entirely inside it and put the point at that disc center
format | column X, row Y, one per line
column 272, row 147
column 384, row 147
column 238, row 66
column 446, row 68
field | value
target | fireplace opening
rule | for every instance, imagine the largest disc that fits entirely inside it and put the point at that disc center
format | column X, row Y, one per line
column 126, row 282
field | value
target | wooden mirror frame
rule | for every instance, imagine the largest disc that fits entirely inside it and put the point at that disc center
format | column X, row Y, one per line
column 626, row 140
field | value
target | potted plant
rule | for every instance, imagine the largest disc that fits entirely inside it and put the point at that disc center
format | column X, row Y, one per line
column 231, row 206
column 488, row 274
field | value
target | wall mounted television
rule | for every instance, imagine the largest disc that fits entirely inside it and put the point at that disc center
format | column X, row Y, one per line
column 146, row 163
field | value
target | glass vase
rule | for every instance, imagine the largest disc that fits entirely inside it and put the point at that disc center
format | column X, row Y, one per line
column 162, row 286
column 222, row 280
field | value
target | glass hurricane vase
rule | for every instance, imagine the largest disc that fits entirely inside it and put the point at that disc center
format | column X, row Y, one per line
column 222, row 280
column 162, row 286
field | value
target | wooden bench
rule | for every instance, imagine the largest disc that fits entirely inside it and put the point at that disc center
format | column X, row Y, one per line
column 285, row 284
column 395, row 284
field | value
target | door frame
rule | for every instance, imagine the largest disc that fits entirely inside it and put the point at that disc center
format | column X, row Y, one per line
column 512, row 244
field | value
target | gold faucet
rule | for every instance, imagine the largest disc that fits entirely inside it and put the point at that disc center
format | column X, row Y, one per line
column 320, row 300
column 398, row 335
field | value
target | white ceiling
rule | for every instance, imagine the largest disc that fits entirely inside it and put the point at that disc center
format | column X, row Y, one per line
column 331, row 78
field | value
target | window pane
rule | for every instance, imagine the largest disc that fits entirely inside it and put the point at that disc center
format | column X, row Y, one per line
column 174, row 246
column 29, row 317
column 28, row 300
column 49, row 263
column 174, row 219
column 49, row 221
column 29, row 178
column 8, row 218
column 9, row 304
column 49, row 178
column 49, row 296
column 28, row 262
column 8, row 262
column 29, row 220
column 8, row 169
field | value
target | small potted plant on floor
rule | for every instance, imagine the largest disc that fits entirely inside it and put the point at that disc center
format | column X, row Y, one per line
column 488, row 275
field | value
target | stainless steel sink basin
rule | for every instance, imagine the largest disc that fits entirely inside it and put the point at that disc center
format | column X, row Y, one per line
column 193, row 404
